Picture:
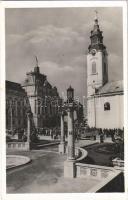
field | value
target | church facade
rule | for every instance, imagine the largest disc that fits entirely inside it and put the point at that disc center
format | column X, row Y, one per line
column 104, row 98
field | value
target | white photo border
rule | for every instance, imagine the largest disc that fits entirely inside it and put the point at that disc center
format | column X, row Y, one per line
column 52, row 4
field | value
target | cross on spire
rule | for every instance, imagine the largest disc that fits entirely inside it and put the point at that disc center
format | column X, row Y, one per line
column 96, row 14
column 36, row 68
column 36, row 61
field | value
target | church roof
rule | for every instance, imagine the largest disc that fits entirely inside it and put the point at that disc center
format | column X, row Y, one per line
column 111, row 87
column 13, row 86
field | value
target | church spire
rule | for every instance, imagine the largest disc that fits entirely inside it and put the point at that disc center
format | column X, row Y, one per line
column 36, row 61
column 96, row 25
column 96, row 19
column 96, row 36
column 36, row 68
column 96, row 15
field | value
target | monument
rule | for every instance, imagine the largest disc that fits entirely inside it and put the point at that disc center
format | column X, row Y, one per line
column 69, row 164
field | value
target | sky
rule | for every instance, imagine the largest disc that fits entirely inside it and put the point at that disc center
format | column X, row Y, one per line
column 60, row 37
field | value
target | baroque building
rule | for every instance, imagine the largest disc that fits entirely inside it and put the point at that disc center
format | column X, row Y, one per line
column 104, row 98
column 35, row 94
column 43, row 98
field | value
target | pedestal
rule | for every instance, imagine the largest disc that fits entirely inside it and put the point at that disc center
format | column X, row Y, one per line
column 69, row 169
column 62, row 148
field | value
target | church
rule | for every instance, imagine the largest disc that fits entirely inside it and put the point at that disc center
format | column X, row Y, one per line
column 104, row 99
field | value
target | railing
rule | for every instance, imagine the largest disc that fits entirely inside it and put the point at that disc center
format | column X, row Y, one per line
column 102, row 174
column 95, row 171
column 17, row 146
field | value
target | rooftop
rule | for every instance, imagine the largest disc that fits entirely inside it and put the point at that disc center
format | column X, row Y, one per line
column 112, row 87
column 14, row 86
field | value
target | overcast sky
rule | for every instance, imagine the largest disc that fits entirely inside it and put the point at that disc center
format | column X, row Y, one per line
column 59, row 37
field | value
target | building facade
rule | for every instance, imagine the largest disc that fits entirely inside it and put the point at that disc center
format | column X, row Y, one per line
column 104, row 98
column 16, row 106
column 43, row 98
column 35, row 94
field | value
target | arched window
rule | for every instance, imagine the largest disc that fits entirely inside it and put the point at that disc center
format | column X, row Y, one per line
column 93, row 67
column 107, row 106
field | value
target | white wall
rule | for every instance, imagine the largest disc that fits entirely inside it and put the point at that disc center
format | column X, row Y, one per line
column 98, row 76
column 112, row 118
column 91, row 112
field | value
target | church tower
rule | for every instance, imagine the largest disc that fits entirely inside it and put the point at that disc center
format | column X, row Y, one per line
column 33, row 86
column 97, row 64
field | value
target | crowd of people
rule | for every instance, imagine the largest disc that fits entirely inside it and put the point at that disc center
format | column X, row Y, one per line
column 55, row 133
column 115, row 134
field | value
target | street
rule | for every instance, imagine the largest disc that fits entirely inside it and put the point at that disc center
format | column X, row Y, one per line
column 44, row 174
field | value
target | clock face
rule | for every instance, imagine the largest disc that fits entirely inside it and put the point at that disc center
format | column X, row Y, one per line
column 93, row 52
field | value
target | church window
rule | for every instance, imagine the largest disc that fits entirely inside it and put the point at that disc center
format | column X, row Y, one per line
column 94, row 68
column 107, row 106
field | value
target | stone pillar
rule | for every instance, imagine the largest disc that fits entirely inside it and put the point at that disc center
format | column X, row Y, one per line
column 28, row 130
column 62, row 147
column 69, row 164
column 71, row 144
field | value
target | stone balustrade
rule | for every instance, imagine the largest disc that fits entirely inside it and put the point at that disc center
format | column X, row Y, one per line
column 104, row 175
column 93, row 171
column 17, row 146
